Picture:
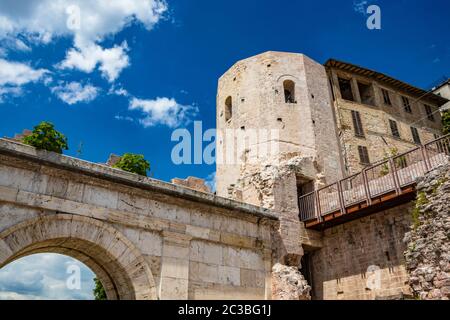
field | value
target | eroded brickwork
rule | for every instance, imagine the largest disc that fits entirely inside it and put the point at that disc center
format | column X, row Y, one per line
column 356, row 254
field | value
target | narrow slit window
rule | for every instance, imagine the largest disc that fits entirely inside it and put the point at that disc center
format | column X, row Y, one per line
column 415, row 135
column 228, row 109
column 386, row 97
column 394, row 129
column 289, row 91
column 357, row 124
column 346, row 89
column 429, row 112
column 363, row 155
column 406, row 105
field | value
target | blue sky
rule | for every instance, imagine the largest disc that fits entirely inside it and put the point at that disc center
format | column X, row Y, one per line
column 132, row 71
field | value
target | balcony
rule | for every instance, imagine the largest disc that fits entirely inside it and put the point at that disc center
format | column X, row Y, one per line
column 383, row 185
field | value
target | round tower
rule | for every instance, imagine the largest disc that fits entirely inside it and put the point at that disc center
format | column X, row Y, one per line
column 284, row 100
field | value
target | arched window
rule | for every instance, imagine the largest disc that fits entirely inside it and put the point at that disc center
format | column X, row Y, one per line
column 289, row 91
column 228, row 108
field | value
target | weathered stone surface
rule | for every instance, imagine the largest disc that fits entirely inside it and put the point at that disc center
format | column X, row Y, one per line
column 289, row 284
column 428, row 243
column 143, row 238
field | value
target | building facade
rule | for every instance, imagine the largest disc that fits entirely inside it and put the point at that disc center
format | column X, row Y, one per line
column 443, row 90
column 378, row 116
column 333, row 120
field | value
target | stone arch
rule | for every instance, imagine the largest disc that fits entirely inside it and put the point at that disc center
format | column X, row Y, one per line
column 117, row 263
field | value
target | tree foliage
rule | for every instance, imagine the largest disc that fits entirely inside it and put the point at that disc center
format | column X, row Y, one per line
column 134, row 163
column 44, row 136
column 446, row 121
column 99, row 291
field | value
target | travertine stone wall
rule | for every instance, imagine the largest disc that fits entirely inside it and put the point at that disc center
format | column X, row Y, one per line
column 363, row 259
column 305, row 128
column 306, row 141
column 145, row 239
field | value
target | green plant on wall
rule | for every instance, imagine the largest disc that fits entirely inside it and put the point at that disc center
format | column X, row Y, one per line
column 400, row 162
column 446, row 121
column 134, row 163
column 44, row 136
column 99, row 291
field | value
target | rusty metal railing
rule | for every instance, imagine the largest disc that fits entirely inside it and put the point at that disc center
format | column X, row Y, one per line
column 384, row 177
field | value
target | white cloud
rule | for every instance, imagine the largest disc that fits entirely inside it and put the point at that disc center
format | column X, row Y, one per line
column 360, row 6
column 127, row 118
column 91, row 22
column 112, row 61
column 14, row 75
column 10, row 92
column 17, row 74
column 43, row 20
column 163, row 111
column 43, row 276
column 75, row 92
column 118, row 91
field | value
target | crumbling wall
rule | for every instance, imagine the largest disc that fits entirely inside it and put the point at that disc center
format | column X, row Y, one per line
column 428, row 243
column 289, row 284
column 274, row 186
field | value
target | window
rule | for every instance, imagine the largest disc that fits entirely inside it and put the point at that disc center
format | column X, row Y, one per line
column 394, row 128
column 406, row 105
column 366, row 93
column 357, row 124
column 289, row 91
column 415, row 135
column 346, row 89
column 363, row 155
column 386, row 97
column 429, row 112
column 228, row 109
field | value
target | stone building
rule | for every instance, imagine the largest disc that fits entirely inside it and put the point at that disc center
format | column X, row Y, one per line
column 331, row 121
column 378, row 116
column 280, row 225
column 443, row 90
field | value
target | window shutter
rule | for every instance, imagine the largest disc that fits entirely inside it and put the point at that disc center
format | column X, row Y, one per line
column 394, row 128
column 357, row 124
column 363, row 155
column 415, row 135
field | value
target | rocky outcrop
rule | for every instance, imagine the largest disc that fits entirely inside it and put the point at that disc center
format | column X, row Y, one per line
column 289, row 284
column 428, row 243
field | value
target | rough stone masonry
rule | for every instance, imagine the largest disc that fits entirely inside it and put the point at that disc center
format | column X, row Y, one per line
column 428, row 242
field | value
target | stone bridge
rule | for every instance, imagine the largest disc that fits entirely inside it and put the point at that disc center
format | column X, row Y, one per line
column 143, row 238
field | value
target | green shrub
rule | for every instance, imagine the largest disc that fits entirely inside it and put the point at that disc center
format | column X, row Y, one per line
column 134, row 163
column 99, row 291
column 44, row 136
column 446, row 121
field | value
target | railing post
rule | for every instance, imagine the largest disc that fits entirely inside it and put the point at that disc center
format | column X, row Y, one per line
column 319, row 211
column 366, row 187
column 341, row 198
column 395, row 175
column 426, row 160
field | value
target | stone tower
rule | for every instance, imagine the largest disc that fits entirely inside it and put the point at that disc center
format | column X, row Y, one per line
column 285, row 100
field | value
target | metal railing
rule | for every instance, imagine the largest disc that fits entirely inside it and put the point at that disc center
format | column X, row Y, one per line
column 384, row 177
